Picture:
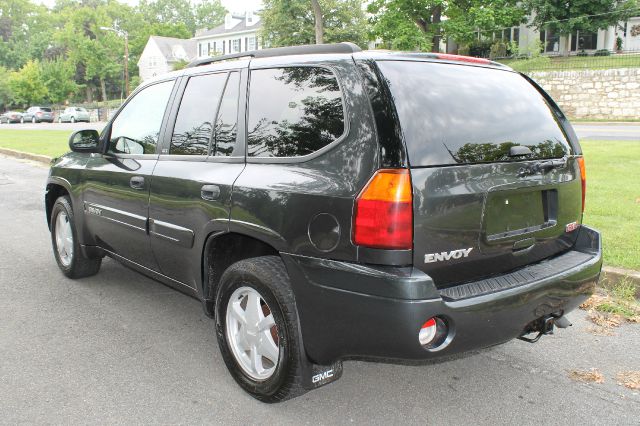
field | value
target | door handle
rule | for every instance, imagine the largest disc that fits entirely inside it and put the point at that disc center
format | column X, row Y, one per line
column 137, row 182
column 210, row 192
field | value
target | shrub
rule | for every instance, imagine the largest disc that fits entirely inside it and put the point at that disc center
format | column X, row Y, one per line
column 602, row 52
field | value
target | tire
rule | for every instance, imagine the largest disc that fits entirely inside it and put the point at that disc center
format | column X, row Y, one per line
column 22, row 120
column 73, row 119
column 74, row 264
column 268, row 277
column 33, row 120
column 59, row 120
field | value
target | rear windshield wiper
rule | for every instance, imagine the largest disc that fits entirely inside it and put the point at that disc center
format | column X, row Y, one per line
column 542, row 167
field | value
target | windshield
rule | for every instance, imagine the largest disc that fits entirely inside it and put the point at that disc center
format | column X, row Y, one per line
column 458, row 114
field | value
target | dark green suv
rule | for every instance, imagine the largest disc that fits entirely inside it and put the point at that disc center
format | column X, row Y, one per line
column 325, row 203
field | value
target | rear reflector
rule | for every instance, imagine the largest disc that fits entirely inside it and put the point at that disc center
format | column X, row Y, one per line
column 384, row 211
column 427, row 332
column 583, row 178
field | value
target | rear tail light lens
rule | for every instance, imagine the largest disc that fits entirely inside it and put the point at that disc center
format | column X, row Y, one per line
column 38, row 113
column 583, row 178
column 384, row 211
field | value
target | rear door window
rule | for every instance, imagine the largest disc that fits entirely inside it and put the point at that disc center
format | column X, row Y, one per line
column 293, row 111
column 226, row 129
column 457, row 114
column 194, row 123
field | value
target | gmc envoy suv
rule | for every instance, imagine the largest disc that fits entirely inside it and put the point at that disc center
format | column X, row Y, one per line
column 326, row 203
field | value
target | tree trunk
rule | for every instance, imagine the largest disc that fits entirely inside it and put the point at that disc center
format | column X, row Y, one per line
column 89, row 93
column 103, row 88
column 437, row 15
column 319, row 24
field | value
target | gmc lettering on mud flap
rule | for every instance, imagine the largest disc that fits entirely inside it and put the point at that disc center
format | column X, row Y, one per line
column 322, row 376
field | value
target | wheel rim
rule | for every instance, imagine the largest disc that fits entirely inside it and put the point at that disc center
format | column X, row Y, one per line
column 64, row 239
column 252, row 333
column 33, row 120
column 73, row 120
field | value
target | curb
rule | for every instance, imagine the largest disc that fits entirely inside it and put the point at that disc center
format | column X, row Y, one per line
column 26, row 156
column 619, row 274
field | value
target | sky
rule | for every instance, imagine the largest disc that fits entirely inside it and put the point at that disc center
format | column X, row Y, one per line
column 231, row 5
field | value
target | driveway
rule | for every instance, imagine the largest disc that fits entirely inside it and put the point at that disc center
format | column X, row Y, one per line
column 121, row 348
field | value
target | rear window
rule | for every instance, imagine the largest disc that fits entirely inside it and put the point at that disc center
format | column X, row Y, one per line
column 457, row 114
column 46, row 109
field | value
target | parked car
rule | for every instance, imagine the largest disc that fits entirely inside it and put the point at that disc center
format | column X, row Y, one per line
column 325, row 203
column 37, row 114
column 11, row 117
column 73, row 114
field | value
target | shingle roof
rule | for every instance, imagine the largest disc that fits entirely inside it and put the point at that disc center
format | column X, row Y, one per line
column 220, row 29
column 167, row 46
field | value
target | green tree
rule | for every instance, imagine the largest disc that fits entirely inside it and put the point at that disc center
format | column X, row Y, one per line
column 565, row 17
column 407, row 24
column 58, row 76
column 24, row 29
column 291, row 22
column 27, row 85
column 467, row 17
column 6, row 97
column 205, row 14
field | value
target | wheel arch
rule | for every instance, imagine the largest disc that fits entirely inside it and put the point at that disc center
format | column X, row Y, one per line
column 54, row 191
column 220, row 251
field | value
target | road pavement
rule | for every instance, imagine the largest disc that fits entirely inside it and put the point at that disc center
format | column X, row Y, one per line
column 121, row 348
column 608, row 131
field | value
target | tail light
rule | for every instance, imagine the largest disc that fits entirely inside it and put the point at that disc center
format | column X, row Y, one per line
column 38, row 113
column 583, row 178
column 384, row 211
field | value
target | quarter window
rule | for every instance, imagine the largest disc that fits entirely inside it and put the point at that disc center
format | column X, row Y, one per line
column 137, row 126
column 193, row 128
column 293, row 111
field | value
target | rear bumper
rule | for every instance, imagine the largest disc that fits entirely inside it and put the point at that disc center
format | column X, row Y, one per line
column 352, row 310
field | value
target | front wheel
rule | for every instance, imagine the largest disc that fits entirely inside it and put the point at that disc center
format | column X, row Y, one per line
column 66, row 248
column 257, row 329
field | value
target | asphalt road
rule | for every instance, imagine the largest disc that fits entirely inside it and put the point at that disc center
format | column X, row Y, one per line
column 613, row 131
column 121, row 348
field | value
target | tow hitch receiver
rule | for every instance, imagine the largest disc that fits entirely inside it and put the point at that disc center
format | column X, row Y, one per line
column 544, row 326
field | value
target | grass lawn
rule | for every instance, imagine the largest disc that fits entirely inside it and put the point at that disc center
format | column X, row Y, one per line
column 52, row 143
column 613, row 187
column 613, row 198
column 561, row 63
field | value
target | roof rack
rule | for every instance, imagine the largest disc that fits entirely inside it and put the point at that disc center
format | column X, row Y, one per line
column 309, row 49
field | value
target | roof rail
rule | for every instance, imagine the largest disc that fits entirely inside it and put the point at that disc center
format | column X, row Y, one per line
column 308, row 49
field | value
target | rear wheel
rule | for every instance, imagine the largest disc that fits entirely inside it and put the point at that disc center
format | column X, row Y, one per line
column 66, row 248
column 33, row 120
column 73, row 119
column 257, row 329
column 21, row 119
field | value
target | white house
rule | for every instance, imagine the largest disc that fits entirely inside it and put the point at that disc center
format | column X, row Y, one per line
column 238, row 34
column 162, row 53
column 555, row 44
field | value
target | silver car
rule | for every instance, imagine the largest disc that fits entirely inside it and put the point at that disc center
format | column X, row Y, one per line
column 73, row 114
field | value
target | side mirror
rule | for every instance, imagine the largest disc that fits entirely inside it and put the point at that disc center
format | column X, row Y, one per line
column 84, row 141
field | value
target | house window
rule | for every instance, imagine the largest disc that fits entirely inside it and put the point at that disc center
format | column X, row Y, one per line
column 584, row 40
column 236, row 45
column 550, row 40
column 516, row 36
column 224, row 47
column 252, row 43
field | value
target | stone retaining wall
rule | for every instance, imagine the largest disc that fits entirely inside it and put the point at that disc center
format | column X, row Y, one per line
column 594, row 94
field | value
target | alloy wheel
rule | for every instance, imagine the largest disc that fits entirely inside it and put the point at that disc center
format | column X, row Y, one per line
column 252, row 333
column 64, row 239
